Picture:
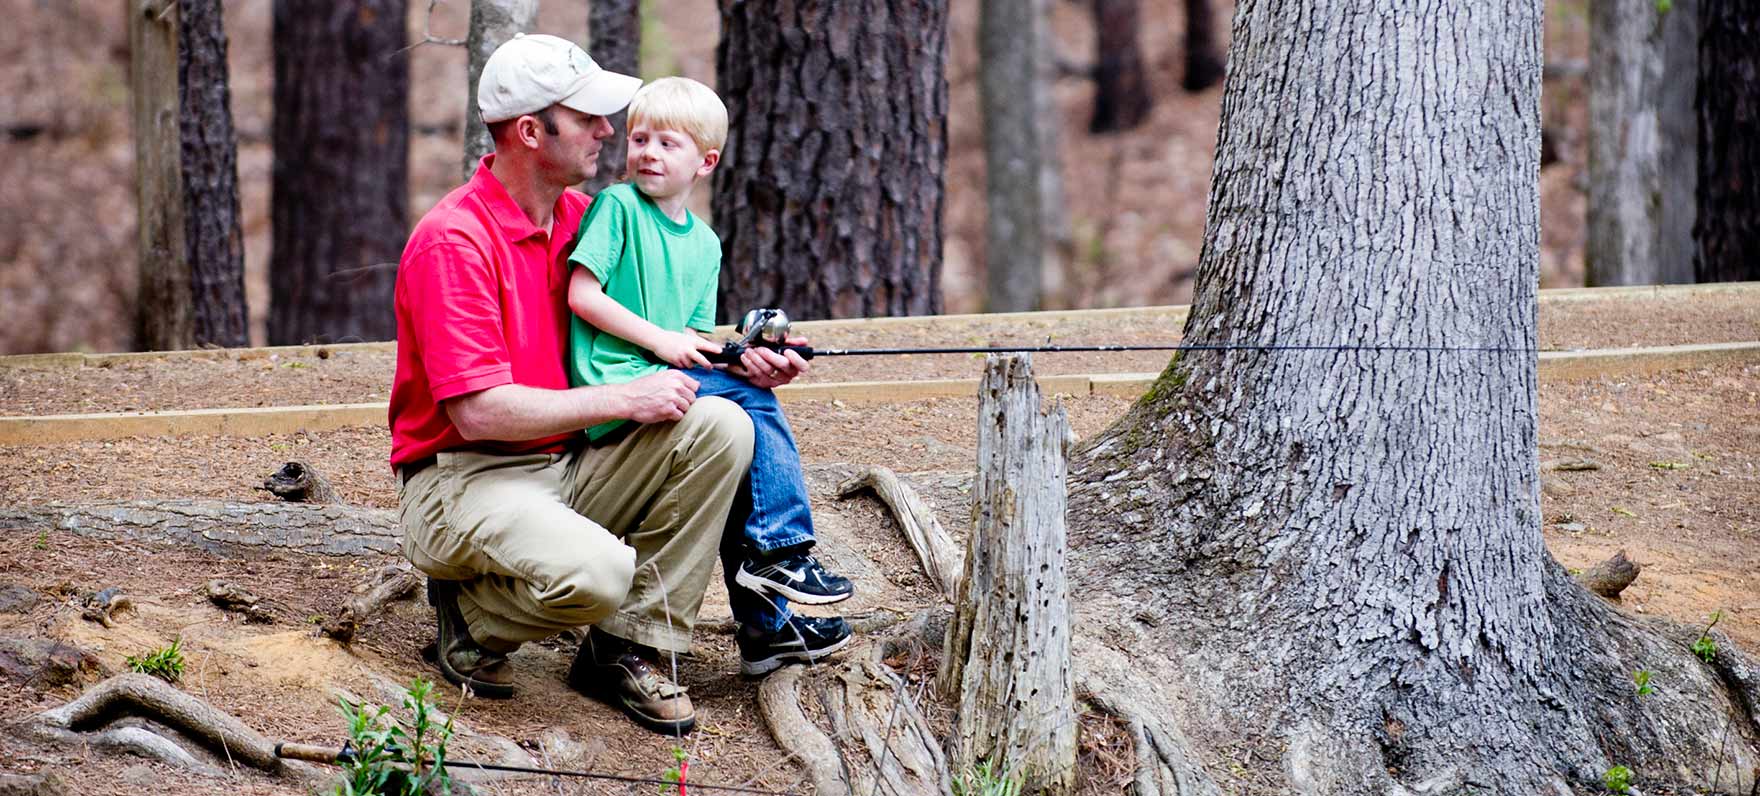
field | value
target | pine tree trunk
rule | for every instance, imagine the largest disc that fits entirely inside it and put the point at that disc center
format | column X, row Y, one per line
column 1121, row 99
column 1007, row 657
column 1331, row 561
column 616, row 30
column 1204, row 66
column 828, row 200
column 213, row 235
column 1641, row 142
column 341, row 139
column 1009, row 50
column 492, row 23
column 1728, row 231
column 163, row 317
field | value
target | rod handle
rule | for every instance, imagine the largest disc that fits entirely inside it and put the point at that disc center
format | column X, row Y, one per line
column 731, row 351
column 308, row 752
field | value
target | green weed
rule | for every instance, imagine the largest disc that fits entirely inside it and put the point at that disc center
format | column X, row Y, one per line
column 42, row 542
column 1617, row 779
column 1642, row 678
column 165, row 663
column 1706, row 647
column 987, row 779
column 676, row 775
column 391, row 760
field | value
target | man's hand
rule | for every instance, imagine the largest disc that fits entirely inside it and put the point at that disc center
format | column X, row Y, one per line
column 769, row 369
column 683, row 349
column 658, row 398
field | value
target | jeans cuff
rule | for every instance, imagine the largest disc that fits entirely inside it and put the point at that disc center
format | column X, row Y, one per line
column 799, row 543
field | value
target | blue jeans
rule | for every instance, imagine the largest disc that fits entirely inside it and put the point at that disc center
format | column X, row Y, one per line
column 770, row 511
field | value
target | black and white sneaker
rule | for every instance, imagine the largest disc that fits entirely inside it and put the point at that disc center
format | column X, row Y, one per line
column 798, row 577
column 804, row 639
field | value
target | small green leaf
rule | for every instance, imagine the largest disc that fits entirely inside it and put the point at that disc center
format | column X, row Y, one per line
column 1670, row 465
column 1664, row 6
column 1623, row 512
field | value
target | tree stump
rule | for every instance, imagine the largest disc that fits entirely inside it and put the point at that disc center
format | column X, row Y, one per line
column 1612, row 576
column 297, row 482
column 1007, row 655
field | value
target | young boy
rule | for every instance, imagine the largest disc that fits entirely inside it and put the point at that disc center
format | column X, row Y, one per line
column 645, row 276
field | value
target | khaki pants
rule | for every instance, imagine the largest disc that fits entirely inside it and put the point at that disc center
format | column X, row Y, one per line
column 622, row 536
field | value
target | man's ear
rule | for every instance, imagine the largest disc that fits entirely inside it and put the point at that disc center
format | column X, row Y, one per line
column 711, row 158
column 526, row 131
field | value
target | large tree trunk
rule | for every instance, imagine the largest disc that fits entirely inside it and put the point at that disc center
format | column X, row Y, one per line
column 341, row 141
column 1641, row 142
column 616, row 30
column 1010, row 45
column 1331, row 560
column 828, row 199
column 1728, row 231
column 492, row 23
column 1121, row 96
column 163, row 315
column 213, row 235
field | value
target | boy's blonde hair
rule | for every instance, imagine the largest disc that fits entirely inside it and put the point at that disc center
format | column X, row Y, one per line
column 684, row 105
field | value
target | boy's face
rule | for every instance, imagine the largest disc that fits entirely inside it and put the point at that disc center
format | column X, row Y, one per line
column 665, row 163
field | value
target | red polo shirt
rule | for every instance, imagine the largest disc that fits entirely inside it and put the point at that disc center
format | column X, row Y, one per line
column 481, row 302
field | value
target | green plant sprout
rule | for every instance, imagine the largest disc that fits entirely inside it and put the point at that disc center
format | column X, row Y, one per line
column 1642, row 678
column 390, row 760
column 165, row 663
column 676, row 775
column 987, row 779
column 1617, row 779
column 1706, row 647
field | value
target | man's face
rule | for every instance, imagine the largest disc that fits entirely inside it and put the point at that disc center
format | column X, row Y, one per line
column 664, row 163
column 571, row 154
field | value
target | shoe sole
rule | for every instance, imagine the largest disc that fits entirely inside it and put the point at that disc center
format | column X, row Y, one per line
column 760, row 586
column 774, row 662
column 482, row 688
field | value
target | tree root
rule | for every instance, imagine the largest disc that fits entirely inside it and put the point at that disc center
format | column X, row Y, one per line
column 390, row 583
column 92, row 718
column 297, row 482
column 941, row 558
column 1164, row 761
column 221, row 527
column 878, row 739
column 1612, row 576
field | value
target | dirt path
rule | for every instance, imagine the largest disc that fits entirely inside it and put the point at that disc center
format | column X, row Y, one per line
column 362, row 376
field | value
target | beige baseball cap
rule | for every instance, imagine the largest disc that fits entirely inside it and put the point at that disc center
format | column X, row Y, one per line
column 530, row 73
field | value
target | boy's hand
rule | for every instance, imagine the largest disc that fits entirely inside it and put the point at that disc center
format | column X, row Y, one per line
column 658, row 397
column 684, row 350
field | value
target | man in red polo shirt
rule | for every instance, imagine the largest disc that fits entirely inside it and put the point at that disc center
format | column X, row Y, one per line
column 523, row 529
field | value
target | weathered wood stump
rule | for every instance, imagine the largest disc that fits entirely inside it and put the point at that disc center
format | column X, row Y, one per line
column 1612, row 576
column 297, row 482
column 1007, row 655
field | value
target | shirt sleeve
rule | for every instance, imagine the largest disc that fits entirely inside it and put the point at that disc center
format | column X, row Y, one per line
column 452, row 295
column 703, row 317
column 599, row 244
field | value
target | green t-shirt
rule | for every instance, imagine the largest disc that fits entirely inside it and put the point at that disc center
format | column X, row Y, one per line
column 662, row 270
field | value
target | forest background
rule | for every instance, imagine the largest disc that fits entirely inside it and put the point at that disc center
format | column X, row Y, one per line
column 1134, row 199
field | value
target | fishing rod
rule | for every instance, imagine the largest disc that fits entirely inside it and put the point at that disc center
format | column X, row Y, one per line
column 332, row 756
column 768, row 328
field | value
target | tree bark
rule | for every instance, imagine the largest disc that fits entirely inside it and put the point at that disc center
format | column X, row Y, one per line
column 493, row 22
column 829, row 196
column 1332, row 559
column 616, row 30
column 1121, row 98
column 1204, row 65
column 1007, row 656
column 213, row 234
column 1010, row 44
column 341, row 138
column 1728, row 222
column 221, row 527
column 1641, row 142
column 164, row 315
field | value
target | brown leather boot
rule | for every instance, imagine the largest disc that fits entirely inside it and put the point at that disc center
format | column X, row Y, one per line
column 460, row 658
column 627, row 676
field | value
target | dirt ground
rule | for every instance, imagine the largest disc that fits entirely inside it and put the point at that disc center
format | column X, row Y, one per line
column 362, row 375
column 1676, row 484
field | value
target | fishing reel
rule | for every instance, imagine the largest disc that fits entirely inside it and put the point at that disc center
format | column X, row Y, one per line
column 761, row 327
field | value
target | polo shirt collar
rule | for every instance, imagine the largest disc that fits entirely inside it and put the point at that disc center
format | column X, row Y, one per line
column 506, row 212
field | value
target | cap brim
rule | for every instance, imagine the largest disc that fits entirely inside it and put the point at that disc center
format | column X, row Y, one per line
column 606, row 94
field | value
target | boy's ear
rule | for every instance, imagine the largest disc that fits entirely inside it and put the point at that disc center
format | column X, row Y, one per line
column 711, row 159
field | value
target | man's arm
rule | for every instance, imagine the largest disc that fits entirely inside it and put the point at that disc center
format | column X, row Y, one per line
column 517, row 412
column 588, row 300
